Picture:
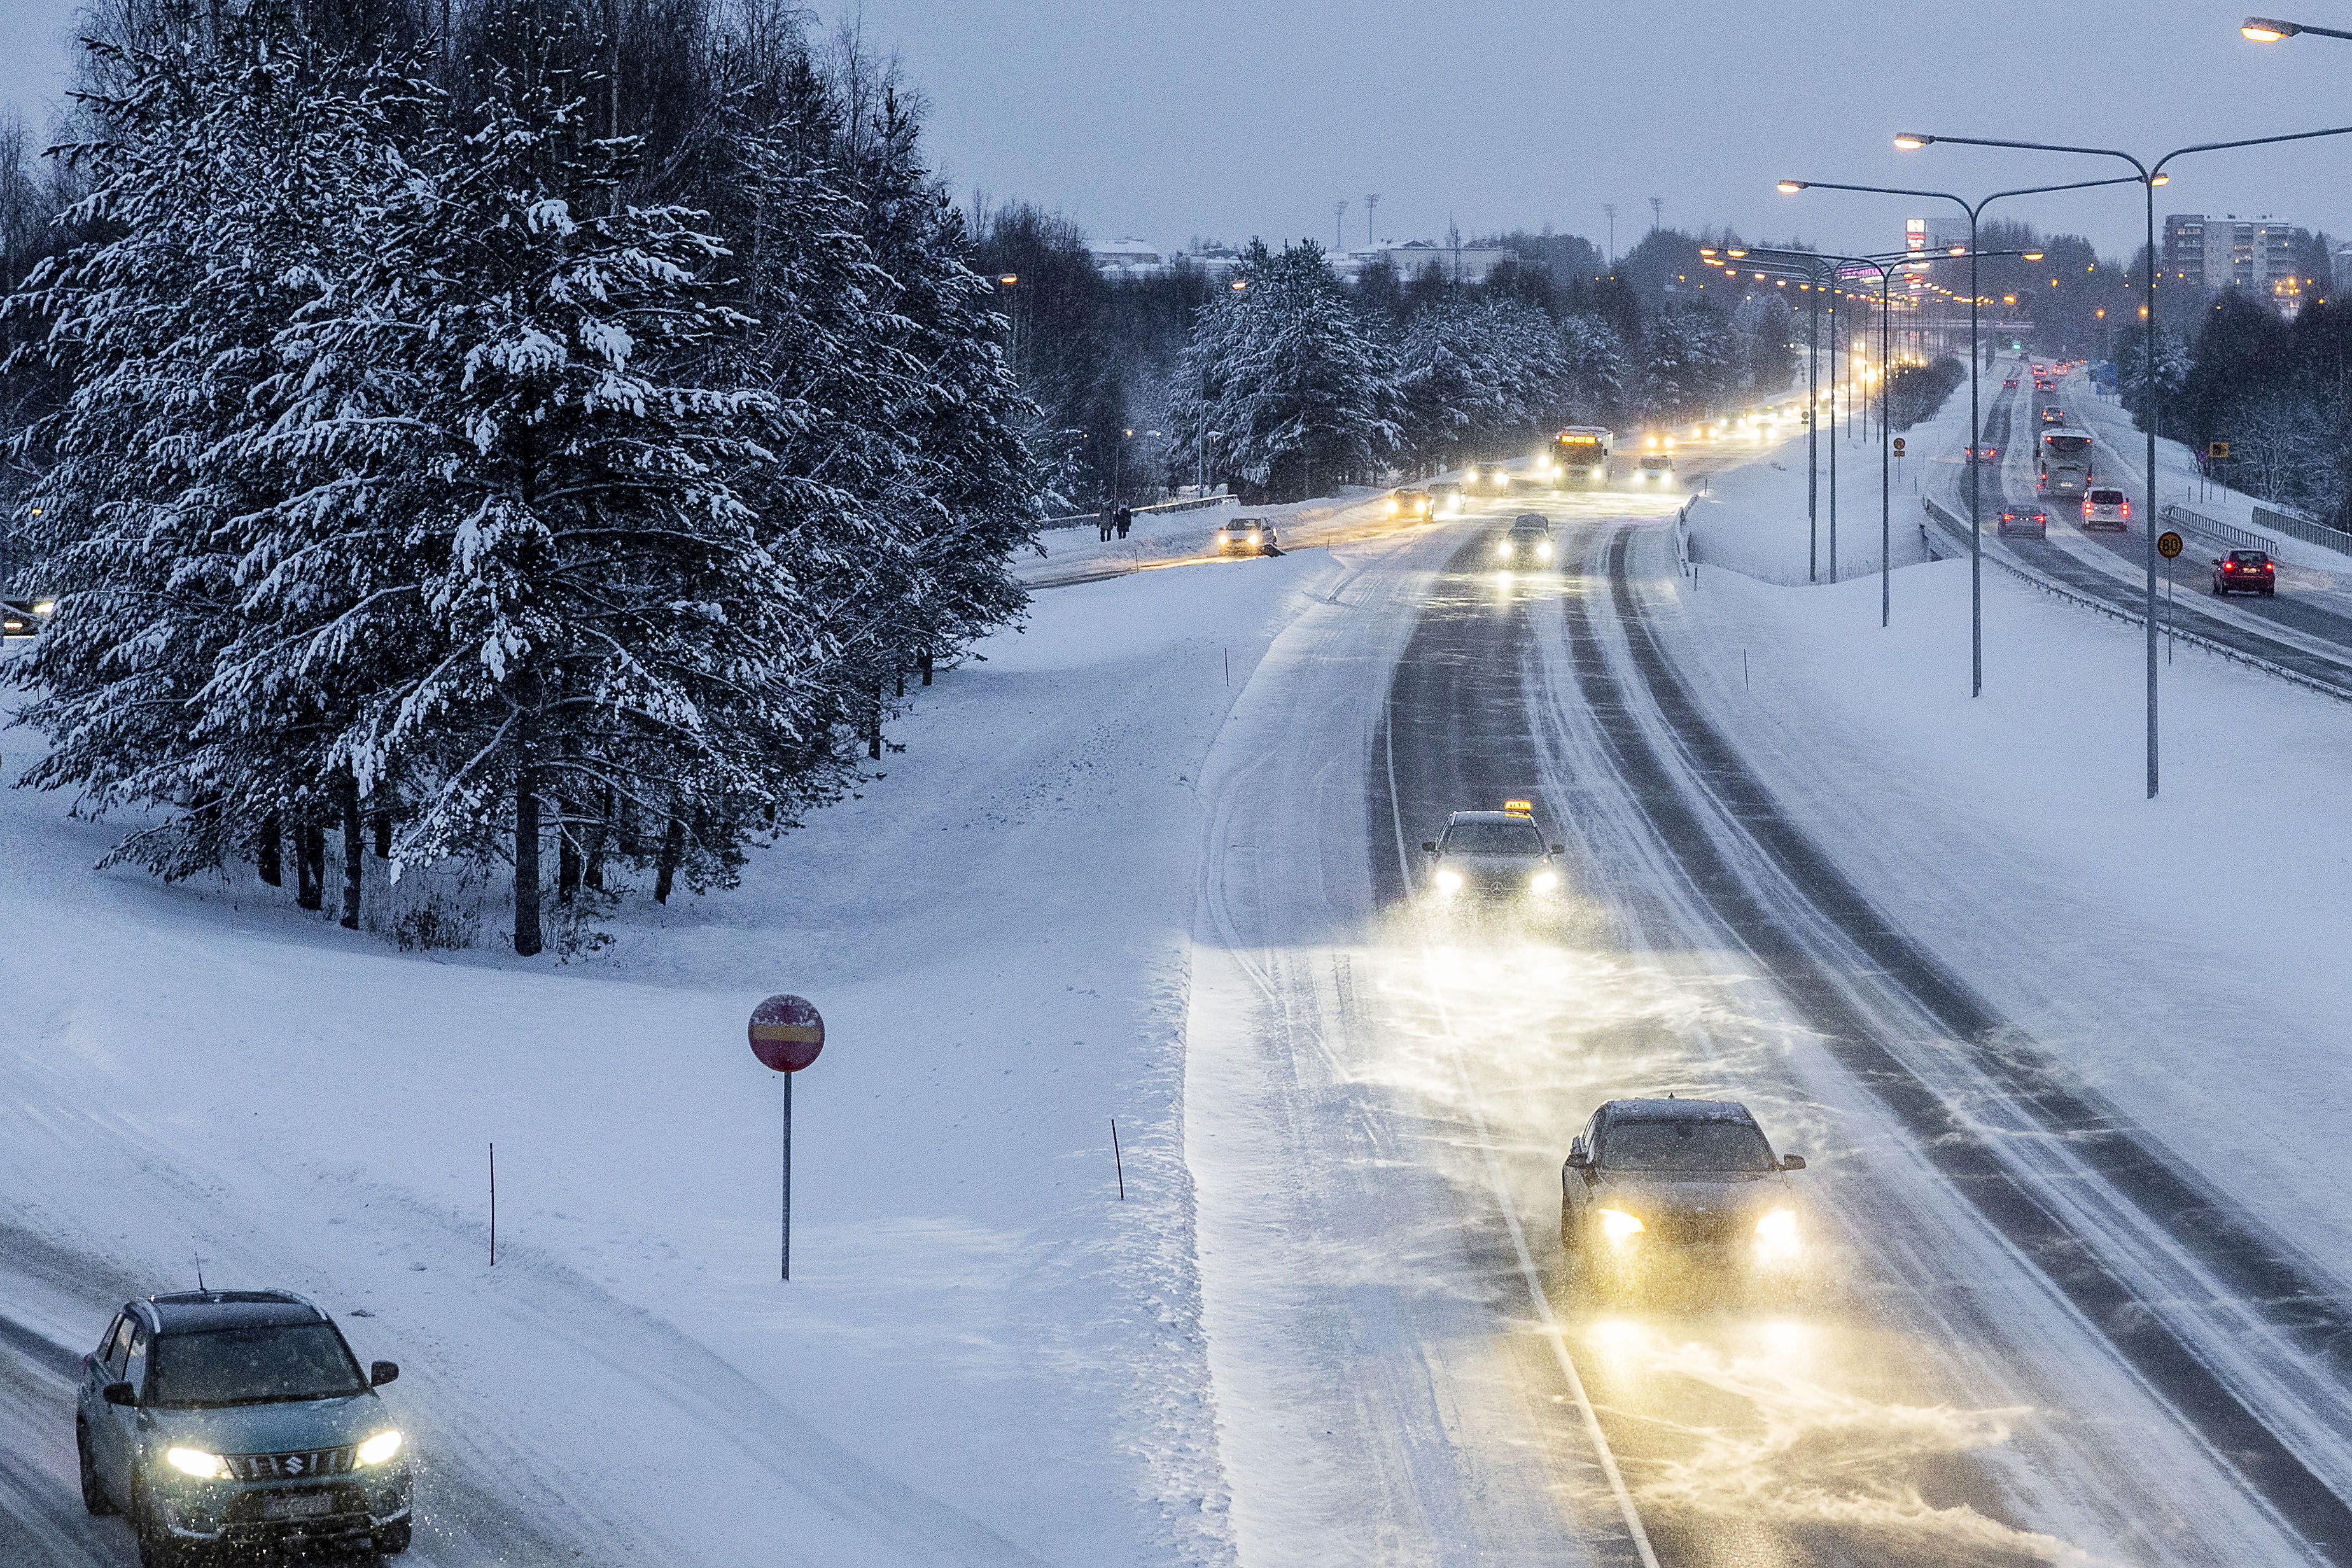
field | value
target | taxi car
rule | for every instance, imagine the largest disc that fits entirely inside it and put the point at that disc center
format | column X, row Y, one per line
column 1246, row 535
column 2245, row 571
column 1654, row 1185
column 2027, row 519
column 1493, row 856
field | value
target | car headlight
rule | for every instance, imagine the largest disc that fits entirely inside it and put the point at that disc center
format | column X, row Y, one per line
column 1503, row 547
column 1618, row 1225
column 1544, row 550
column 1544, row 881
column 1253, row 539
column 197, row 1462
column 379, row 1448
column 1777, row 1232
column 1449, row 882
column 1393, row 509
column 45, row 607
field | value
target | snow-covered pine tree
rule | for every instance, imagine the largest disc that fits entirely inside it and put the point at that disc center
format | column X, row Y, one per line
column 1284, row 368
column 609, row 618
column 222, row 190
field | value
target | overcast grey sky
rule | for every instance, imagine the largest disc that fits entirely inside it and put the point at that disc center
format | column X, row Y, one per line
column 1229, row 118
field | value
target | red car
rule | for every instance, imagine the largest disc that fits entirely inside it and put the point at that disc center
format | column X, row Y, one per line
column 2246, row 571
column 2024, row 520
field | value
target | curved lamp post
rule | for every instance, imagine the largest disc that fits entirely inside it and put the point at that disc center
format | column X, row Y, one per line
column 1976, row 432
column 2150, row 175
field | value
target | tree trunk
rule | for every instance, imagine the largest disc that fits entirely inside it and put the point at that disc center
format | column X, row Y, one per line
column 673, row 848
column 874, row 725
column 526, row 938
column 355, row 850
column 383, row 835
column 598, row 837
column 267, row 848
column 309, row 860
column 927, row 666
column 567, row 849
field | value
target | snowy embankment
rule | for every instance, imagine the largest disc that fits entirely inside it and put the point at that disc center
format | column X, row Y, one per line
column 2184, row 956
column 1752, row 518
column 984, row 1355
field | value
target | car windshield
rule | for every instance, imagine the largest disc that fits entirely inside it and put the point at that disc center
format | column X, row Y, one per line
column 1494, row 838
column 1683, row 1146
column 253, row 1366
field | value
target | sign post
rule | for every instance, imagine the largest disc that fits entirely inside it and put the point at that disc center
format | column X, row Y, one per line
column 2168, row 544
column 787, row 1033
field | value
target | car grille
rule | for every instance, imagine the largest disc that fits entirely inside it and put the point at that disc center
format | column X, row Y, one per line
column 1708, row 1229
column 292, row 1467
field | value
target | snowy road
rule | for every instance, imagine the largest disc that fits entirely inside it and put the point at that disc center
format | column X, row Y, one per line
column 2037, row 1337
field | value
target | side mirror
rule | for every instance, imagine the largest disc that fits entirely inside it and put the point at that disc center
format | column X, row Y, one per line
column 1792, row 1162
column 1579, row 1160
column 383, row 1372
column 1560, row 848
column 1429, row 845
column 120, row 1393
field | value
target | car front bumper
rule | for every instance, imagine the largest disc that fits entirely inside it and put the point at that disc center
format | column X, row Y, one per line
column 245, row 1514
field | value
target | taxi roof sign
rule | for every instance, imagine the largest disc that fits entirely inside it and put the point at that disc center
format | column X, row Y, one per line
column 1519, row 807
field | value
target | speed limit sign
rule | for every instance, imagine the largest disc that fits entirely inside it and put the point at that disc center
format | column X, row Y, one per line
column 2168, row 544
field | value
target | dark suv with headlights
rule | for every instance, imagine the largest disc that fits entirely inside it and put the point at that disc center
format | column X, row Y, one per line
column 239, row 1418
column 1657, row 1185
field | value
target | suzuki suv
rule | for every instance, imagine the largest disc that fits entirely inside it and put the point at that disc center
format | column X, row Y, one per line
column 239, row 1418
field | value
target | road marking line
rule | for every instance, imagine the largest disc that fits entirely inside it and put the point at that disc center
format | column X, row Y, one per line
column 1528, row 1270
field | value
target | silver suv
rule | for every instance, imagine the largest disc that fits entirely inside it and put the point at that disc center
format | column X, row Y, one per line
column 239, row 1418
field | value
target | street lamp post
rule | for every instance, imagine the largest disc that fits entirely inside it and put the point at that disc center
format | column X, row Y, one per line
column 2150, row 176
column 2265, row 30
column 1975, row 431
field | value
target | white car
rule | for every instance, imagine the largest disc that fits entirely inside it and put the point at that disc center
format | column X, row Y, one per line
column 2106, row 507
column 1248, row 535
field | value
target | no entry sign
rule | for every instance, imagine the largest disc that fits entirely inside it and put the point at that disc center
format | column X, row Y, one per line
column 787, row 1031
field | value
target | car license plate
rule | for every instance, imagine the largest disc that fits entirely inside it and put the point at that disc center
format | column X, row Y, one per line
column 299, row 1505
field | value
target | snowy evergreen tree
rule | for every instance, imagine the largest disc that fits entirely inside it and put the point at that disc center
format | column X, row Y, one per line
column 1284, row 367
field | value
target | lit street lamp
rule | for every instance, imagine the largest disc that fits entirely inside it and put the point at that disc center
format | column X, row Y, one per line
column 1976, row 430
column 2150, row 176
column 2266, row 30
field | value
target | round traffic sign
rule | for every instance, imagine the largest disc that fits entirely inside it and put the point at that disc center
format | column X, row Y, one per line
column 787, row 1031
column 1898, row 446
column 2168, row 544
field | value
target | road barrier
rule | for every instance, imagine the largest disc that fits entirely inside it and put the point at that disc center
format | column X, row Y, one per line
column 2302, row 527
column 2230, row 535
column 1085, row 519
column 1959, row 528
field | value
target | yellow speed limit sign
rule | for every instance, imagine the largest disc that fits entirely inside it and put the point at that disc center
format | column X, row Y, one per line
column 2168, row 544
column 2219, row 451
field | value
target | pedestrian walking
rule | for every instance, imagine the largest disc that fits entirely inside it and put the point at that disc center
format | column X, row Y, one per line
column 1125, row 520
column 1106, row 520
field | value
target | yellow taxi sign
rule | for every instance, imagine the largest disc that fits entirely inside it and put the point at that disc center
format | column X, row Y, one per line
column 1520, row 807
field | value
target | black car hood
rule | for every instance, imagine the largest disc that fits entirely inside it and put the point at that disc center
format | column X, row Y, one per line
column 1644, row 1194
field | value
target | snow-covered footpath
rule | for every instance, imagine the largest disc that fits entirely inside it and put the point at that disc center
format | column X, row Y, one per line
column 983, row 1354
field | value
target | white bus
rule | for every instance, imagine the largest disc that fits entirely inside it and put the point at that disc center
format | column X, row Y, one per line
column 2065, row 462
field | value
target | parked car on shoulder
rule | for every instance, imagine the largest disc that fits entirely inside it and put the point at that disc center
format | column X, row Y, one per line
column 2245, row 571
column 1246, row 535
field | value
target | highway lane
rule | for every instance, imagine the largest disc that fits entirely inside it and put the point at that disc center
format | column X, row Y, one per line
column 1956, row 1389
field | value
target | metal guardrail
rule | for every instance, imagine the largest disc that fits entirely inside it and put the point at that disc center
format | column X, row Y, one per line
column 2302, row 527
column 2188, row 522
column 1081, row 520
column 1960, row 527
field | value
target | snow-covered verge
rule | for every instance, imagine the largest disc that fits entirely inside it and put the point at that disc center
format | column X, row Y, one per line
column 1752, row 518
column 2183, row 955
column 983, row 1354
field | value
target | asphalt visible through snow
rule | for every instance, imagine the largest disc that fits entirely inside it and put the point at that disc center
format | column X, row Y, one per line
column 1561, row 687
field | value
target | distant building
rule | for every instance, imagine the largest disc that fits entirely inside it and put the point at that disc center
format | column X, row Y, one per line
column 1454, row 263
column 1127, row 259
column 2256, row 255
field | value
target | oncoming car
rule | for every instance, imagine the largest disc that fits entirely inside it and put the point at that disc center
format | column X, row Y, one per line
column 1527, row 543
column 1446, row 501
column 2106, row 507
column 1492, row 478
column 1246, row 533
column 2032, row 521
column 23, row 619
column 1664, row 1183
column 1411, row 504
column 2245, row 571
column 239, row 1418
column 1493, row 855
column 1655, row 464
